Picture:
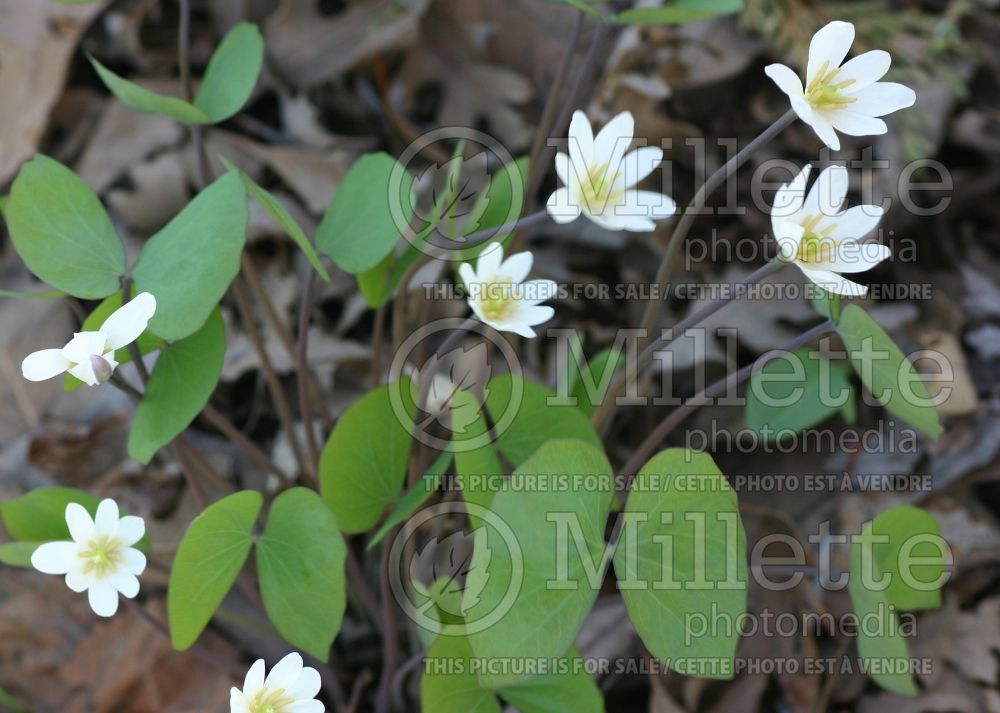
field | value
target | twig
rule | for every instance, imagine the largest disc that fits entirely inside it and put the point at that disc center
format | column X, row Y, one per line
column 230, row 431
column 390, row 635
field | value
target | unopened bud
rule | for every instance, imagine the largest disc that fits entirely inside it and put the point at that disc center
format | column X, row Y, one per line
column 102, row 369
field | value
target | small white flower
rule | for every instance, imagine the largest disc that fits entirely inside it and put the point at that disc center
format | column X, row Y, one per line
column 599, row 178
column 847, row 98
column 100, row 559
column 501, row 298
column 90, row 356
column 289, row 688
column 813, row 233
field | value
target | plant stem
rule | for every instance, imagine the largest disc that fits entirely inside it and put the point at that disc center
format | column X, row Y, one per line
column 687, row 218
column 645, row 357
column 302, row 374
column 230, row 431
column 390, row 634
column 677, row 416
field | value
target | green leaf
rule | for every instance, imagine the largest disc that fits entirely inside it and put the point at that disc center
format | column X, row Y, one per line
column 33, row 294
column 378, row 283
column 300, row 564
column 881, row 645
column 560, row 557
column 532, row 421
column 417, row 495
column 477, row 470
column 40, row 515
column 579, row 5
column 795, row 391
column 189, row 264
column 183, row 379
column 883, row 367
column 280, row 215
column 210, row 556
column 501, row 203
column 363, row 464
column 595, row 371
column 569, row 689
column 141, row 99
column 61, row 231
column 913, row 557
column 678, row 13
column 18, row 554
column 232, row 73
column 681, row 562
column 146, row 342
column 359, row 228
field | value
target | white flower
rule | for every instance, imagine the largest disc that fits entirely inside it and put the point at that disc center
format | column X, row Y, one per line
column 90, row 356
column 289, row 688
column 100, row 558
column 846, row 98
column 813, row 233
column 599, row 178
column 499, row 296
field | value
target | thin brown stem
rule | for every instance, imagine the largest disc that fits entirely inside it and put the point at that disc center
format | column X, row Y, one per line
column 230, row 431
column 302, row 374
column 390, row 635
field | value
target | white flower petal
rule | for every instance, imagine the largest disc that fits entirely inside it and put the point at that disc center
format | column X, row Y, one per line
column 789, row 198
column 44, row 364
column 788, row 235
column 536, row 291
column 129, row 321
column 106, row 518
column 467, row 274
column 516, row 267
column 561, row 208
column 857, row 222
column 55, row 557
column 531, row 315
column 824, row 129
column 804, row 110
column 581, row 142
column 489, row 261
column 863, row 70
column 124, row 582
column 285, row 672
column 103, row 598
column 81, row 525
column 828, row 193
column 84, row 371
column 837, row 284
column 130, row 529
column 306, row 707
column 638, row 164
column 237, row 701
column 307, row 685
column 647, row 204
column 829, row 47
column 133, row 560
column 563, row 168
column 79, row 580
column 854, row 124
column 610, row 220
column 854, row 257
column 613, row 141
column 83, row 345
column 786, row 79
column 254, row 680
column 517, row 327
column 883, row 98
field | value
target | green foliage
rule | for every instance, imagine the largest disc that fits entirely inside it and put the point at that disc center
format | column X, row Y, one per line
column 501, row 203
column 472, row 464
column 300, row 564
column 678, row 12
column 418, row 494
column 227, row 85
column 189, row 264
column 543, row 619
column 796, row 391
column 596, row 369
column 18, row 554
column 535, row 421
column 364, row 222
column 62, row 232
column 33, row 294
column 886, row 371
column 210, row 556
column 183, row 379
column 363, row 464
column 40, row 515
column 884, row 579
column 450, row 685
column 280, row 215
column 681, row 560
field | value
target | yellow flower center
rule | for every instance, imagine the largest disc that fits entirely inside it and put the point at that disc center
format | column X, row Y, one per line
column 101, row 556
column 267, row 701
column 825, row 92
column 598, row 190
column 816, row 245
column 497, row 299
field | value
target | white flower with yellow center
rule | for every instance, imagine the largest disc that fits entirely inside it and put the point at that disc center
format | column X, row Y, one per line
column 822, row 240
column 90, row 356
column 845, row 97
column 100, row 558
column 501, row 298
column 289, row 688
column 599, row 178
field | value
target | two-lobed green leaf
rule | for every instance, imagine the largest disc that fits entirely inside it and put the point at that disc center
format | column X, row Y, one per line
column 682, row 561
column 62, row 232
column 189, row 264
column 183, row 379
column 300, row 565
